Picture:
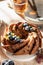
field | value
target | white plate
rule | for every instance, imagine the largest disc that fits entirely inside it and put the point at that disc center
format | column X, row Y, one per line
column 36, row 21
column 7, row 15
column 20, row 58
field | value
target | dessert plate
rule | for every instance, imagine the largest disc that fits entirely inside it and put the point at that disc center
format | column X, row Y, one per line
column 37, row 21
column 8, row 16
column 22, row 58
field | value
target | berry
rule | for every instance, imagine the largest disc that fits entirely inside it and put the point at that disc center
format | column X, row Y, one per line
column 8, row 62
column 27, row 28
column 9, row 33
column 39, row 57
column 30, row 26
column 3, row 63
column 14, row 37
column 38, row 60
column 11, row 63
column 18, row 39
column 25, row 24
column 31, row 29
column 11, row 38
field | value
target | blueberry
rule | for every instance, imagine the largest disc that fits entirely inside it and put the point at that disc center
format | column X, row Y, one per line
column 11, row 38
column 27, row 28
column 17, row 39
column 14, row 37
column 11, row 63
column 30, row 26
column 8, row 62
column 31, row 29
column 9, row 33
column 3, row 63
column 25, row 24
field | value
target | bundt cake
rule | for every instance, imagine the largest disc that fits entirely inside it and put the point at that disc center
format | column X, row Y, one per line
column 22, row 38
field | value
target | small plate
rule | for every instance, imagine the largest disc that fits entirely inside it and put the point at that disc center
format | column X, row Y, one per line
column 37, row 21
column 21, row 58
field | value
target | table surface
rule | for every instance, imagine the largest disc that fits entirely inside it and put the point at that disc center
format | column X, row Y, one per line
column 2, row 55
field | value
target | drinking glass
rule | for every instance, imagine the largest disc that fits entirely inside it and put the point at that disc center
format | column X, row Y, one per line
column 20, row 6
